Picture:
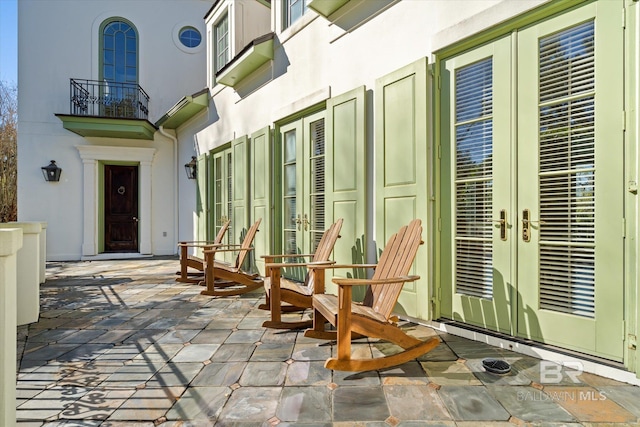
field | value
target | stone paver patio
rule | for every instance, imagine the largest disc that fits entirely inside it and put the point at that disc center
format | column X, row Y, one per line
column 120, row 343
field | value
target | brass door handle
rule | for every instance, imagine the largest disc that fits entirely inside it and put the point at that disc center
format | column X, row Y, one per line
column 503, row 224
column 135, row 219
column 305, row 221
column 298, row 221
column 526, row 224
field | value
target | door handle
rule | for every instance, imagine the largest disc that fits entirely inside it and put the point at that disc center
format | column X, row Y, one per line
column 305, row 221
column 526, row 224
column 503, row 224
column 298, row 221
column 135, row 219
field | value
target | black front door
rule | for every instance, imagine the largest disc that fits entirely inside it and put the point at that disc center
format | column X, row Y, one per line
column 121, row 208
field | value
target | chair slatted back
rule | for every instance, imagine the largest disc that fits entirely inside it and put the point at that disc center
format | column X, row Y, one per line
column 246, row 243
column 396, row 260
column 325, row 247
column 221, row 232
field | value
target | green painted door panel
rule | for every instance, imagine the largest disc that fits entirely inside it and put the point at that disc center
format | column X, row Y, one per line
column 401, row 178
column 476, row 154
column 260, row 174
column 220, row 197
column 581, row 305
column 239, row 163
column 302, row 189
column 346, row 174
column 240, row 185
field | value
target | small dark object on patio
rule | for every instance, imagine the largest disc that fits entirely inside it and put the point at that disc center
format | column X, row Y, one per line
column 496, row 366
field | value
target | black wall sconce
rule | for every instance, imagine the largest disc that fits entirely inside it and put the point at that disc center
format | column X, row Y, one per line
column 191, row 168
column 51, row 172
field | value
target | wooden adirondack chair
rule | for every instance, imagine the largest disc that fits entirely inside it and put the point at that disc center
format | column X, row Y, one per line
column 192, row 261
column 223, row 278
column 298, row 295
column 371, row 318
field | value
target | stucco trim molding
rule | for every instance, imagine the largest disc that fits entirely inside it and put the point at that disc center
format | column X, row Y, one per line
column 91, row 155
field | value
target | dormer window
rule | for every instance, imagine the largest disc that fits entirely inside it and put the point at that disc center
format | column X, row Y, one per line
column 232, row 29
column 293, row 10
column 221, row 40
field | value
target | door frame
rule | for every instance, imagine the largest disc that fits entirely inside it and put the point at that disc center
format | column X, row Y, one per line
column 92, row 157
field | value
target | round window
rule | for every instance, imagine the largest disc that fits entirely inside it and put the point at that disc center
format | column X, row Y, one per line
column 190, row 37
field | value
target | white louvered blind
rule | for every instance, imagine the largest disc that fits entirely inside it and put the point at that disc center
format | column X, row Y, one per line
column 317, row 183
column 474, row 179
column 567, row 171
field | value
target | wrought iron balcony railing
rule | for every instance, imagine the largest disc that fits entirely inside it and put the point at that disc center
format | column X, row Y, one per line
column 108, row 99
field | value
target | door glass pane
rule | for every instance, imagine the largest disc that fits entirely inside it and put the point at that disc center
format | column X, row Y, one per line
column 567, row 171
column 290, row 146
column 290, row 225
column 474, row 178
column 317, row 183
column 289, row 191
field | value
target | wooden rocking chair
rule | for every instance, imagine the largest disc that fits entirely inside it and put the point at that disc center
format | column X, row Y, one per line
column 192, row 261
column 298, row 295
column 223, row 278
column 372, row 318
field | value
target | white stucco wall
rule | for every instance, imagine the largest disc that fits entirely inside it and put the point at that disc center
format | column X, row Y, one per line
column 316, row 57
column 59, row 40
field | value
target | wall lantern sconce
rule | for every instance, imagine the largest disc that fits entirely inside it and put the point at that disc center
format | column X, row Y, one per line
column 51, row 172
column 191, row 168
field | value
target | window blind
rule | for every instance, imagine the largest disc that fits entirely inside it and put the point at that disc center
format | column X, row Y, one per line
column 474, row 179
column 567, row 171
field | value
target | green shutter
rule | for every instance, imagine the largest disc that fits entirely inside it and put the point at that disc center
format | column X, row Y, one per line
column 401, row 183
column 260, row 190
column 237, row 168
column 346, row 173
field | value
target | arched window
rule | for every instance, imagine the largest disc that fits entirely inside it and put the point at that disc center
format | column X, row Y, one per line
column 119, row 52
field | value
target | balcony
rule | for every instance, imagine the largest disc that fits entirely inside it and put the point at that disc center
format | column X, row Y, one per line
column 108, row 109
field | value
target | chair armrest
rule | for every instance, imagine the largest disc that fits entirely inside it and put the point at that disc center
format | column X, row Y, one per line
column 298, row 264
column 336, row 266
column 287, row 256
column 361, row 282
column 198, row 244
column 216, row 250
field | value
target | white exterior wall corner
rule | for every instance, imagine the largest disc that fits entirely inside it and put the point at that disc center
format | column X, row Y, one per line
column 167, row 72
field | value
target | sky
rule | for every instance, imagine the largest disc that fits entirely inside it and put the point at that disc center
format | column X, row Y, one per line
column 9, row 41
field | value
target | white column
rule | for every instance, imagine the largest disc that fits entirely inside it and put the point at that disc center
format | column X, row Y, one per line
column 144, row 197
column 10, row 243
column 90, row 191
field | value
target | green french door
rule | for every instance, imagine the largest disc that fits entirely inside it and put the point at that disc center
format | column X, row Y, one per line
column 222, row 196
column 535, row 194
column 303, row 185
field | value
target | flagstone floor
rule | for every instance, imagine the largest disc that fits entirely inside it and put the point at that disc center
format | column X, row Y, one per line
column 120, row 343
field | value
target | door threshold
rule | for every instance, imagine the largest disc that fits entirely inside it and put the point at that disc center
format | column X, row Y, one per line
column 591, row 364
column 114, row 255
